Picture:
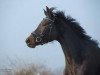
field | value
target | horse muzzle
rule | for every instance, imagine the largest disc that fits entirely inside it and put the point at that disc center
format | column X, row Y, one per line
column 30, row 41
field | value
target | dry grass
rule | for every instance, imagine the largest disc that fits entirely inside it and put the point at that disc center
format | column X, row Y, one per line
column 34, row 70
column 23, row 68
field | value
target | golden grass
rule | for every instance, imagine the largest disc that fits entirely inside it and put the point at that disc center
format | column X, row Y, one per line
column 33, row 70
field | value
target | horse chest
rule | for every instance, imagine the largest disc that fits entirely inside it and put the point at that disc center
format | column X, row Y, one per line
column 74, row 69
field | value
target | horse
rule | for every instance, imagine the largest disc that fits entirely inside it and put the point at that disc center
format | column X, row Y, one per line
column 82, row 53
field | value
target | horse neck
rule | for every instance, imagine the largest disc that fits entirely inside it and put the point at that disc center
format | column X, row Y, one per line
column 72, row 46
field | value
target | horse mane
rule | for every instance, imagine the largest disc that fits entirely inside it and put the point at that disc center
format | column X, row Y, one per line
column 75, row 26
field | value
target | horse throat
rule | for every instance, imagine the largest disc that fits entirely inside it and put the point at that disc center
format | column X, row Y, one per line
column 72, row 47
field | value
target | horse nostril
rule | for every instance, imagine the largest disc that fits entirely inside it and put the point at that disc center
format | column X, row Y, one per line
column 27, row 41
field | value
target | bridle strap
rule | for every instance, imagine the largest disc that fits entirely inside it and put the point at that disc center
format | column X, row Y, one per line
column 43, row 33
column 50, row 31
column 49, row 19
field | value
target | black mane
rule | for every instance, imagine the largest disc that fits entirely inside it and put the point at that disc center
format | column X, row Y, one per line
column 75, row 26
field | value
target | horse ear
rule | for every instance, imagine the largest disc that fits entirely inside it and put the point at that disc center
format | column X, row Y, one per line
column 45, row 12
column 48, row 10
column 49, row 13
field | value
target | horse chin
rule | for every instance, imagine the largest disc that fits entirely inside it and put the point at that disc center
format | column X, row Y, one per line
column 31, row 46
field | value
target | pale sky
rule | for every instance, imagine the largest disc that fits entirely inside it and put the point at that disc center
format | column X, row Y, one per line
column 18, row 18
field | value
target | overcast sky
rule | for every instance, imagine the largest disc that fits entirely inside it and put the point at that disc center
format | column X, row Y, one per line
column 18, row 18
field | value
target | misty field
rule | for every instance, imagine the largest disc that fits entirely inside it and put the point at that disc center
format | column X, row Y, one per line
column 33, row 69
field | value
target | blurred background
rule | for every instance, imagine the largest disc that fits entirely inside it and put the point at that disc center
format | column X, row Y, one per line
column 18, row 18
